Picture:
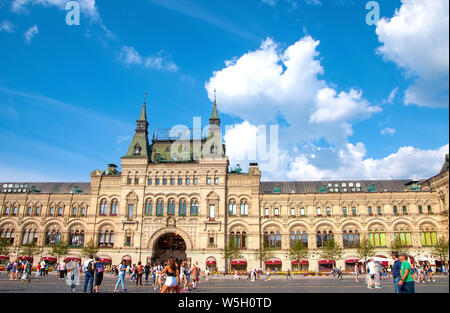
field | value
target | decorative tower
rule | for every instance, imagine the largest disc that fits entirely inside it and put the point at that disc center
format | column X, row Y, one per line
column 214, row 144
column 139, row 146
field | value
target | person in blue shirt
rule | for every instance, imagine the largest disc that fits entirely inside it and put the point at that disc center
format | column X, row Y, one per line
column 396, row 271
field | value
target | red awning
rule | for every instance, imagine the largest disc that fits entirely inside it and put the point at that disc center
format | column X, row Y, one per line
column 239, row 262
column 4, row 257
column 301, row 262
column 73, row 258
column 126, row 258
column 211, row 262
column 327, row 262
column 352, row 261
column 273, row 262
column 105, row 260
column 21, row 258
column 49, row 258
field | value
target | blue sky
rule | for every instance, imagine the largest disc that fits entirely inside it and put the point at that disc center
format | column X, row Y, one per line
column 70, row 95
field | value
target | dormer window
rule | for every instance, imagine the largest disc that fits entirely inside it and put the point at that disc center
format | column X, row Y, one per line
column 137, row 149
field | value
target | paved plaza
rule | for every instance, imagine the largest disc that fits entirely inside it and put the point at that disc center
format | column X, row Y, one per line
column 299, row 284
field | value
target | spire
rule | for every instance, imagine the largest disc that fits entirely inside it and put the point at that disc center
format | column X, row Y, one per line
column 143, row 116
column 214, row 119
column 139, row 146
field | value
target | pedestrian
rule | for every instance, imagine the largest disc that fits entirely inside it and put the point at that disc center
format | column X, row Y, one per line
column 173, row 277
column 122, row 269
column 195, row 275
column 73, row 276
column 89, row 269
column 147, row 272
column 236, row 276
column 371, row 274
column 396, row 271
column 288, row 274
column 183, row 277
column 406, row 282
column 27, row 272
column 98, row 274
column 62, row 269
column 139, row 269
column 268, row 276
column 356, row 271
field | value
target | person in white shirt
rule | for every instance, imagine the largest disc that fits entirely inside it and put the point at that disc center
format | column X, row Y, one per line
column 371, row 270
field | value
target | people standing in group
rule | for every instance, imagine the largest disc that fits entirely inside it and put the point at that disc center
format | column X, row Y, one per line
column 27, row 271
column 89, row 270
column 406, row 283
column 173, row 277
column 121, row 280
column 99, row 269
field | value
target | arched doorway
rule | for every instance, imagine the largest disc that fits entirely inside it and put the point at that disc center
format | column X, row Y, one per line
column 169, row 245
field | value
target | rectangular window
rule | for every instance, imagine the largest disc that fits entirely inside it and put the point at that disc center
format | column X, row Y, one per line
column 188, row 181
column 292, row 211
column 136, row 181
column 430, row 209
column 164, row 181
column 302, row 211
column 420, row 209
column 157, row 181
column 266, row 212
column 180, row 181
column 276, row 212
column 395, row 210
column 128, row 241
column 369, row 209
column 353, row 211
column 128, row 181
column 195, row 181
column 319, row 211
column 405, row 211
column 328, row 211
column 211, row 211
column 344, row 211
column 150, row 181
column 83, row 212
column 208, row 181
column 172, row 181
column 379, row 210
column 216, row 181
column 130, row 211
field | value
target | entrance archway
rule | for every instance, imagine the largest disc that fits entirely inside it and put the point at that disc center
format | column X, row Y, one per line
column 169, row 245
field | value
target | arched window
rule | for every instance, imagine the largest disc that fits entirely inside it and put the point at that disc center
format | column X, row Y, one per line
column 395, row 209
column 83, row 211
column 420, row 209
column 114, row 207
column 266, row 212
column 53, row 236
column 328, row 211
column 244, row 207
column 276, row 212
column 272, row 239
column 323, row 237
column 159, row 207
column 319, row 211
column 403, row 235
column 30, row 235
column 350, row 238
column 103, row 207
column 232, row 207
column 239, row 238
column 292, row 211
column 194, row 207
column 377, row 236
column 148, row 207
column 302, row 212
column 428, row 236
column 298, row 235
column 29, row 211
column 7, row 234
column 74, row 211
column 15, row 210
column 106, row 237
column 60, row 211
column 171, row 207
column 52, row 211
column 76, row 237
column 430, row 209
column 182, row 207
column 6, row 210
column 354, row 211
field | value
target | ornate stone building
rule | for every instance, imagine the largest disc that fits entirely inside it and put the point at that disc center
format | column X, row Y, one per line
column 178, row 197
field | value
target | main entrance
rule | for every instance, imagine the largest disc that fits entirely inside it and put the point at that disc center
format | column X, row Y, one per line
column 169, row 245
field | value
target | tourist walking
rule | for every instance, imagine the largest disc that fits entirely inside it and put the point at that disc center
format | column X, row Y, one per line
column 99, row 270
column 356, row 271
column 195, row 276
column 406, row 282
column 73, row 275
column 89, row 269
column 27, row 272
column 288, row 274
column 121, row 280
column 62, row 270
column 173, row 277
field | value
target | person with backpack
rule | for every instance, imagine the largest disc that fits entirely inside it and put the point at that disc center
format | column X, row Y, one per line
column 139, row 273
column 89, row 269
column 99, row 269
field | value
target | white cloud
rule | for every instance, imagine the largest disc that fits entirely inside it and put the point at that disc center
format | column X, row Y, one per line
column 282, row 86
column 30, row 33
column 391, row 96
column 388, row 131
column 407, row 162
column 161, row 61
column 128, row 56
column 271, row 3
column 6, row 26
column 416, row 38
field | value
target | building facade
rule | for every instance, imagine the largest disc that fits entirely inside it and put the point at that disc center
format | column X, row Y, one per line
column 178, row 197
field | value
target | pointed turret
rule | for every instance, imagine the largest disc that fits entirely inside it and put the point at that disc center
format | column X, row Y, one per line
column 214, row 119
column 139, row 146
